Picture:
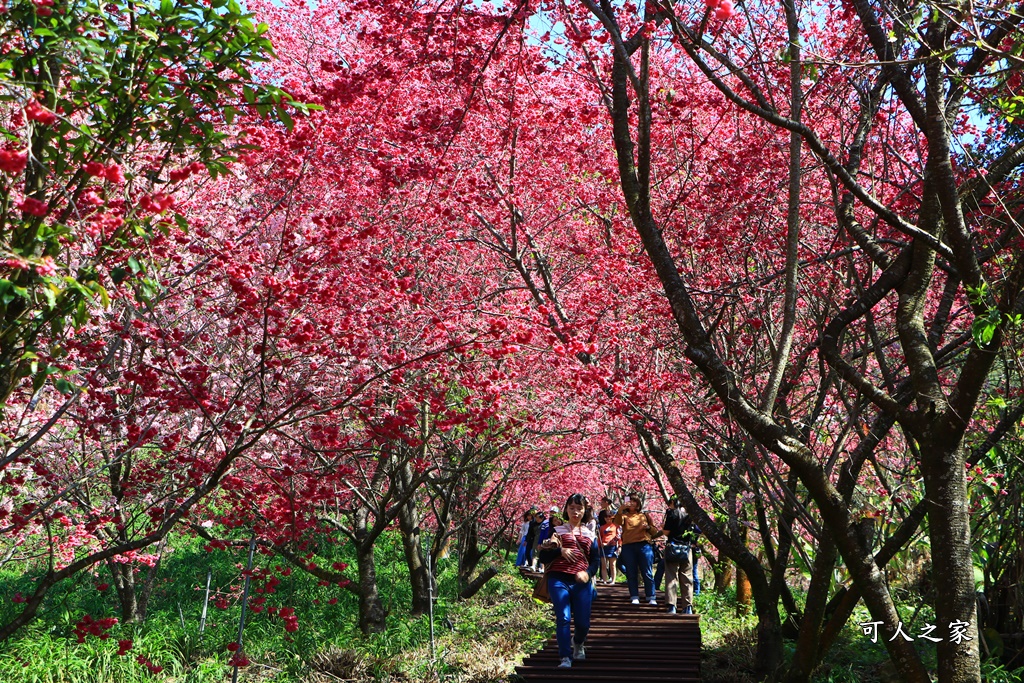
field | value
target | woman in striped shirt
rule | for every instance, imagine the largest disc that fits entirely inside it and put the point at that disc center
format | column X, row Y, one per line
column 574, row 556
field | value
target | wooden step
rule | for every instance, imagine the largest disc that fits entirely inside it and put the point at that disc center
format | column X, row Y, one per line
column 627, row 644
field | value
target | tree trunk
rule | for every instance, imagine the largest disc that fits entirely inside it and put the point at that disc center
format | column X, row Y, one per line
column 474, row 586
column 469, row 553
column 743, row 592
column 769, row 634
column 768, row 658
column 722, row 571
column 409, row 523
column 132, row 594
column 371, row 609
column 808, row 654
column 147, row 586
column 949, row 529
column 124, row 585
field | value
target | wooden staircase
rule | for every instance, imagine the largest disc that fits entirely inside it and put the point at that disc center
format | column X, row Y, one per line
column 627, row 644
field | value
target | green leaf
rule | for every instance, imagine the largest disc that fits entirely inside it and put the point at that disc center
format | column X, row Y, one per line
column 118, row 275
column 81, row 314
column 181, row 222
column 983, row 330
column 63, row 386
column 286, row 119
column 104, row 296
column 39, row 377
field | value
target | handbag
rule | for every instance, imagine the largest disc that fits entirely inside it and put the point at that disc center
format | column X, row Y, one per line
column 540, row 589
column 677, row 552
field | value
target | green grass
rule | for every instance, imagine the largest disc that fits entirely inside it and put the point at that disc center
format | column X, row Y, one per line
column 730, row 643
column 475, row 640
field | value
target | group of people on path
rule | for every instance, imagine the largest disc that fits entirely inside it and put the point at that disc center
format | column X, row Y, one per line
column 536, row 528
column 575, row 546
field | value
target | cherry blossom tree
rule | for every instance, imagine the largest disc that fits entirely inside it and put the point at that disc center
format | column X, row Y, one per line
column 930, row 243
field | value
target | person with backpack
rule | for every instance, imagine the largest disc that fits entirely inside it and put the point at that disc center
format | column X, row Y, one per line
column 637, row 531
column 573, row 554
column 681, row 537
column 545, row 527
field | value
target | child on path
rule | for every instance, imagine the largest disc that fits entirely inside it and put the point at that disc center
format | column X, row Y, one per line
column 610, row 539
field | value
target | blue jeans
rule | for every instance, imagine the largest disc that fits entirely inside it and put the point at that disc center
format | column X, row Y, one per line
column 521, row 555
column 639, row 558
column 571, row 600
column 696, row 579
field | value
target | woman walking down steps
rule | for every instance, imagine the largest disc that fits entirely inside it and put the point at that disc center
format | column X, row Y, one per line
column 574, row 556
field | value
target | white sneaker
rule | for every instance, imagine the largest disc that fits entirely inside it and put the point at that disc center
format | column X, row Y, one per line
column 652, row 601
column 566, row 663
column 635, row 601
column 579, row 653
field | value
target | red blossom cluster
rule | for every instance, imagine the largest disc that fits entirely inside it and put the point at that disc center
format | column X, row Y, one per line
column 146, row 662
column 723, row 9
column 87, row 626
column 33, row 207
column 291, row 621
column 33, row 110
column 179, row 174
column 111, row 172
column 239, row 659
column 158, row 202
column 12, row 161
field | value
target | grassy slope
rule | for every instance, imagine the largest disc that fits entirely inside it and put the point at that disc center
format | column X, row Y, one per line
column 477, row 641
